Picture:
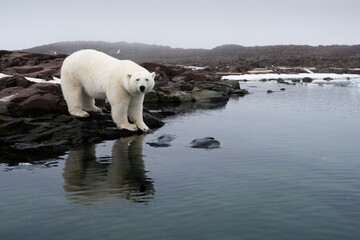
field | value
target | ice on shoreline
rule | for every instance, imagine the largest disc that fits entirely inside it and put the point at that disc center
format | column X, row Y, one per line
column 268, row 76
column 352, row 80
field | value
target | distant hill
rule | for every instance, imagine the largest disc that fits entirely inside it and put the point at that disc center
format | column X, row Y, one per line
column 290, row 55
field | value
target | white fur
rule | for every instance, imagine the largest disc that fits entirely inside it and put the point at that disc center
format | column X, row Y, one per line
column 89, row 74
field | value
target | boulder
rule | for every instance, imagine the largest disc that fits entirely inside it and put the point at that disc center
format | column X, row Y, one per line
column 30, row 99
column 31, row 64
column 162, row 141
column 307, row 80
column 206, row 143
column 206, row 95
column 195, row 76
column 14, row 81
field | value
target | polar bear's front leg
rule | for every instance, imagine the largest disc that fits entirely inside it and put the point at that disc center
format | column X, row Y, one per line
column 119, row 101
column 136, row 112
column 119, row 115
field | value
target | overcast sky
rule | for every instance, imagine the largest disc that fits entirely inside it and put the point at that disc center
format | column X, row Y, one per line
column 182, row 23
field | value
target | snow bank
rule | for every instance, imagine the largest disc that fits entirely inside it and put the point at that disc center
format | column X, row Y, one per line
column 37, row 80
column 268, row 76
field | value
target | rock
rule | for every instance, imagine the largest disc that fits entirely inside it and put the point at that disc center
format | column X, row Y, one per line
column 282, row 89
column 167, row 112
column 232, row 83
column 51, row 131
column 195, row 76
column 186, row 87
column 162, row 141
column 31, row 99
column 240, row 92
column 14, row 81
column 31, row 64
column 180, row 79
column 207, row 95
column 151, row 121
column 269, row 91
column 169, row 70
column 307, row 80
column 328, row 79
column 206, row 143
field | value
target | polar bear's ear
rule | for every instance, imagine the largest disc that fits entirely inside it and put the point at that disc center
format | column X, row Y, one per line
column 128, row 75
column 153, row 74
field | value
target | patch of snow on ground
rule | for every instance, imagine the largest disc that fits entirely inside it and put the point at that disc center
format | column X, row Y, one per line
column 351, row 80
column 37, row 80
column 192, row 67
column 315, row 76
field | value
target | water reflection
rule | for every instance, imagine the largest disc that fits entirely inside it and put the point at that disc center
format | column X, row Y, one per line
column 91, row 180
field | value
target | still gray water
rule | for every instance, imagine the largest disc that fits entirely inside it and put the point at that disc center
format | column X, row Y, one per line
column 288, row 167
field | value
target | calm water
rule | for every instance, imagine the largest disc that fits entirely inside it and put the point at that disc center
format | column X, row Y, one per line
column 288, row 168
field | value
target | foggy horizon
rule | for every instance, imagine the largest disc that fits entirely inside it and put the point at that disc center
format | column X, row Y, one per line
column 186, row 24
column 160, row 45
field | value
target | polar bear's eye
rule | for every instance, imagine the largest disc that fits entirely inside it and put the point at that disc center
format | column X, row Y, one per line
column 147, row 79
column 137, row 79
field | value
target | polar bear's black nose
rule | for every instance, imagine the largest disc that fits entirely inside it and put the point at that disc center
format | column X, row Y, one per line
column 142, row 88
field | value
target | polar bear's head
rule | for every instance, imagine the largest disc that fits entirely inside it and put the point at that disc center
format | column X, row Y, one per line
column 141, row 82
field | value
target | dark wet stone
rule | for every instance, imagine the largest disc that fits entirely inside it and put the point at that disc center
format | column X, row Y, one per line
column 151, row 121
column 167, row 112
column 14, row 81
column 207, row 143
column 240, row 92
column 282, row 89
column 269, row 91
column 307, row 80
column 186, row 87
column 162, row 141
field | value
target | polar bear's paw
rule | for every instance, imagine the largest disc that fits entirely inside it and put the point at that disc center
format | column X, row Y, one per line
column 77, row 112
column 128, row 126
column 143, row 127
column 93, row 109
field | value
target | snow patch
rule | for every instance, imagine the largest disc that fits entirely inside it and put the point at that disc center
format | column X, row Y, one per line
column 192, row 67
column 351, row 80
column 36, row 80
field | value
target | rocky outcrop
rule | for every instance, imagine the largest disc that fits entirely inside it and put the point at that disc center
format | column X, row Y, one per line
column 178, row 84
column 34, row 122
column 31, row 64
column 20, row 97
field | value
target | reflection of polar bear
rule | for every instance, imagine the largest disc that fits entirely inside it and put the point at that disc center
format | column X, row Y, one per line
column 90, row 179
column 89, row 74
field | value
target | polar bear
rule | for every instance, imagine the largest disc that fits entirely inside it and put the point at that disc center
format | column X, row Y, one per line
column 89, row 74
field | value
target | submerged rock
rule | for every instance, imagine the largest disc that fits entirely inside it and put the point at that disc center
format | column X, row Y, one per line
column 207, row 143
column 162, row 141
column 307, row 79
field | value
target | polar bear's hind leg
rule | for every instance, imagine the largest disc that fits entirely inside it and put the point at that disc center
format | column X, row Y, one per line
column 88, row 103
column 73, row 94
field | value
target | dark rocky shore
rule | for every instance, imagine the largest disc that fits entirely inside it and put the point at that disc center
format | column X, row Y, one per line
column 35, row 123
